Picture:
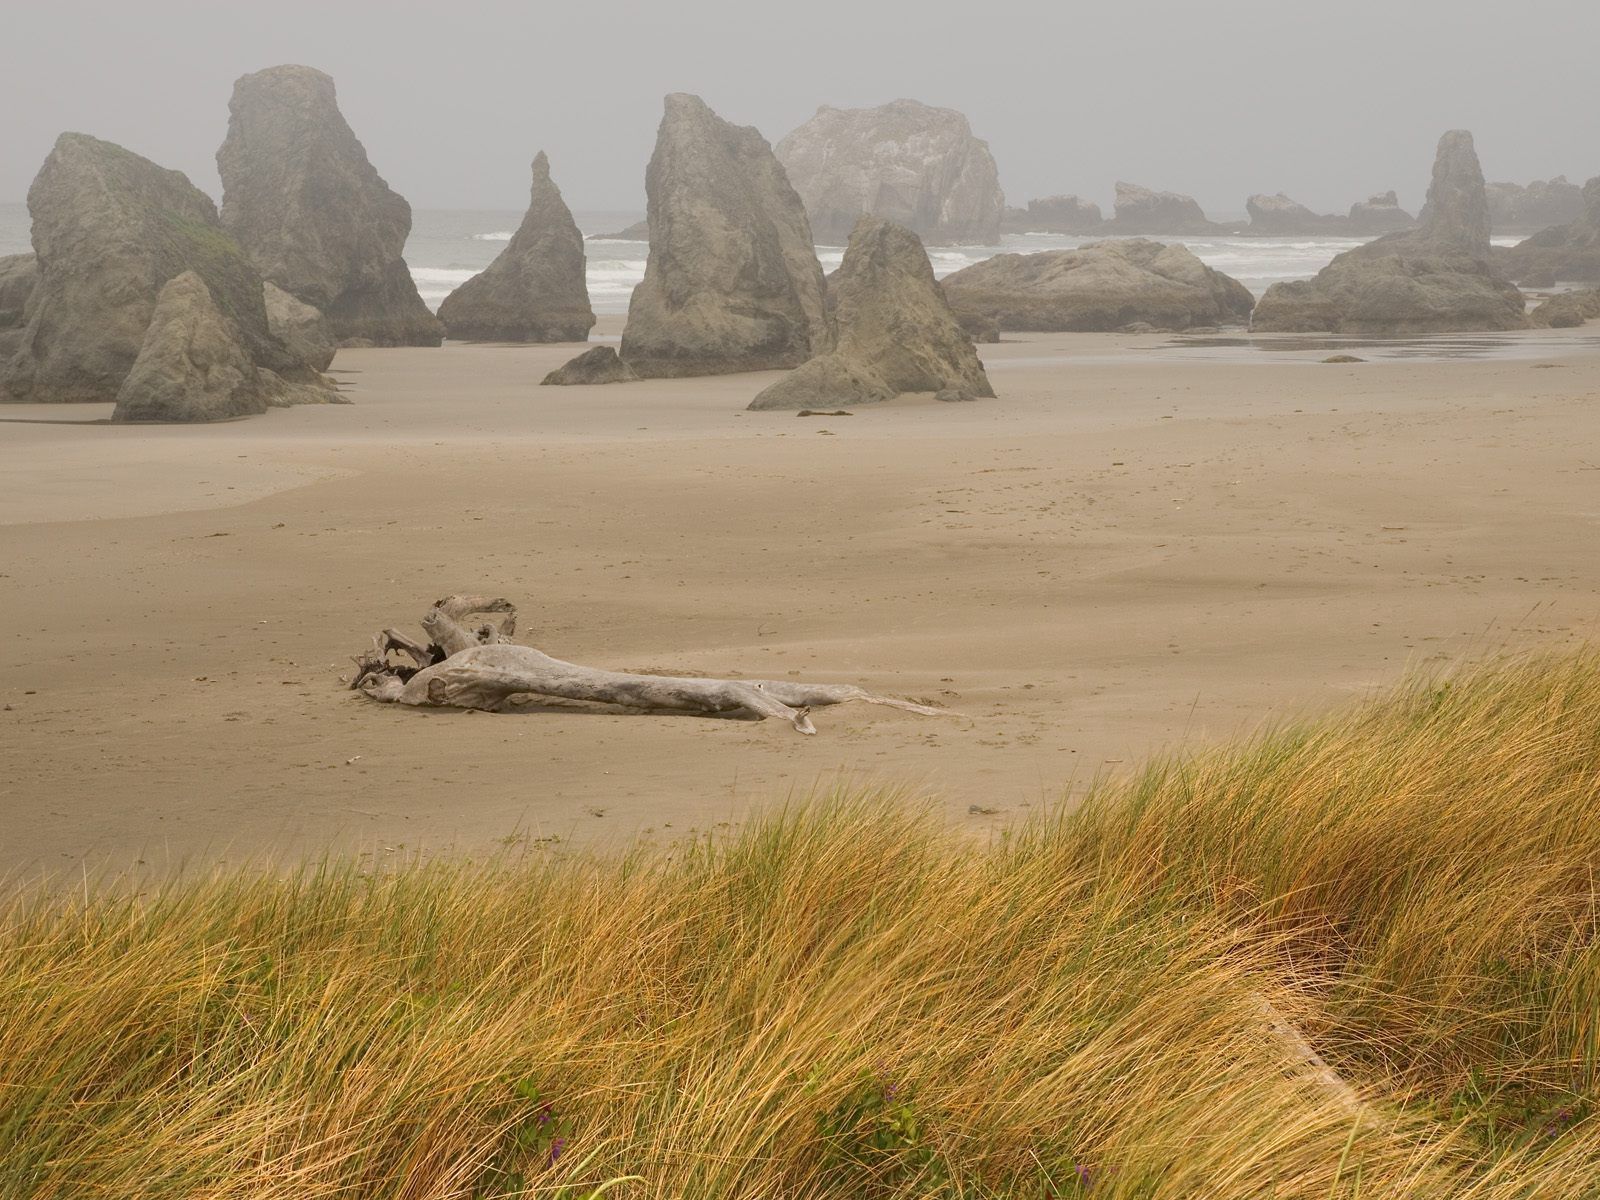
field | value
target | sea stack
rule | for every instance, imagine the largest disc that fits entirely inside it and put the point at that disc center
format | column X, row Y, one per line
column 908, row 162
column 1562, row 254
column 732, row 282
column 1141, row 210
column 110, row 229
column 1279, row 216
column 1433, row 279
column 535, row 290
column 1101, row 287
column 1379, row 214
column 1055, row 214
column 300, row 196
column 896, row 332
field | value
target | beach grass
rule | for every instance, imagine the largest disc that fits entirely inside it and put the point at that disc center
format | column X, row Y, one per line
column 1351, row 958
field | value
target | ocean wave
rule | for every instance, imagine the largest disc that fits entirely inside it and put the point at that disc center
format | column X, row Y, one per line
column 616, row 265
column 435, row 283
column 503, row 235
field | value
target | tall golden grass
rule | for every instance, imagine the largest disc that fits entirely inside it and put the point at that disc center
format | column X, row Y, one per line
column 846, row 1000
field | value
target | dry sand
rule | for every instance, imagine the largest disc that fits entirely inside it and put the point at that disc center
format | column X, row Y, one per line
column 1130, row 550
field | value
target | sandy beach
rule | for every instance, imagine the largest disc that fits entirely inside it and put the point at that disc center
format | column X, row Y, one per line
column 1134, row 548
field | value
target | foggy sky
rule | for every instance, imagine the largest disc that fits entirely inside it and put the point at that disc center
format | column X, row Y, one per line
column 1328, row 101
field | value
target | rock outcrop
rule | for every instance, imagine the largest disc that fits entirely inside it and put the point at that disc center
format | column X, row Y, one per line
column 918, row 166
column 732, row 282
column 110, row 229
column 980, row 328
column 1139, row 210
column 1433, row 279
column 1378, row 215
column 534, row 290
column 1567, row 311
column 1279, row 216
column 298, row 326
column 1105, row 286
column 1055, row 214
column 300, row 196
column 193, row 364
column 1539, row 205
column 896, row 331
column 18, row 275
column 597, row 365
column 1565, row 253
column 639, row 231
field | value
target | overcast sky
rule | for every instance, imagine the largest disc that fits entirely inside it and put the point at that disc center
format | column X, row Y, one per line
column 1326, row 101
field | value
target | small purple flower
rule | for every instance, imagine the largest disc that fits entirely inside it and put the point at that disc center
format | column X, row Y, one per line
column 556, row 1147
column 1083, row 1175
column 545, row 1115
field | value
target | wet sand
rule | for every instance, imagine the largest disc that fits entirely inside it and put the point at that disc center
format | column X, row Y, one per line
column 1133, row 549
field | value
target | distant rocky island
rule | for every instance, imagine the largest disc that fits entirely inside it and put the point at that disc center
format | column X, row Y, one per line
column 1513, row 208
column 1145, row 212
column 907, row 162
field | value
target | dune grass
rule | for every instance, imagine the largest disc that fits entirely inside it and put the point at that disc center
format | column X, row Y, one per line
column 846, row 1000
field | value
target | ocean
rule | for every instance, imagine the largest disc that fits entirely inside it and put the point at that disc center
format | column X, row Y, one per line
column 449, row 246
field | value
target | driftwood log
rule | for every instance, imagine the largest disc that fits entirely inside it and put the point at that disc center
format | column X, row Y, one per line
column 469, row 661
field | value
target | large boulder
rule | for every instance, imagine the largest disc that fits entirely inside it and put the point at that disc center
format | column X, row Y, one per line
column 896, row 331
column 535, row 290
column 1141, row 210
column 1563, row 253
column 599, row 364
column 1436, row 278
column 1279, row 216
column 298, row 326
column 1055, row 214
column 1101, row 287
column 1378, row 215
column 905, row 161
column 1539, row 205
column 193, row 364
column 300, row 196
column 732, row 282
column 109, row 230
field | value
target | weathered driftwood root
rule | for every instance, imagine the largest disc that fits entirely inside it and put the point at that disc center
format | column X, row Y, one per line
column 1311, row 1067
column 467, row 665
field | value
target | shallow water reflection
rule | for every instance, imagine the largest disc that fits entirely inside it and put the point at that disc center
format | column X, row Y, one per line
column 1432, row 347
